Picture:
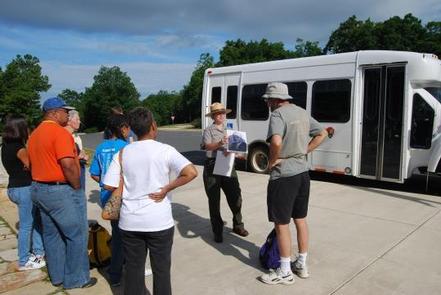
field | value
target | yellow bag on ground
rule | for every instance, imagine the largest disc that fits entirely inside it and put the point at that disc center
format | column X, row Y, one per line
column 99, row 245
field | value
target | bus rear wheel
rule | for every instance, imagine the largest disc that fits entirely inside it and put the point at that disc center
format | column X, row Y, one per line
column 258, row 159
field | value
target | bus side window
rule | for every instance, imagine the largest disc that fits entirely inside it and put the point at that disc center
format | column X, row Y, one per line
column 232, row 101
column 216, row 94
column 253, row 105
column 298, row 92
column 331, row 101
column 422, row 123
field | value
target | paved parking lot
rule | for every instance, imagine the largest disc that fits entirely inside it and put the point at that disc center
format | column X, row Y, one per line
column 364, row 240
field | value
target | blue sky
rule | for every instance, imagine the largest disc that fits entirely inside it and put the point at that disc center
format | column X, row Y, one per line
column 158, row 44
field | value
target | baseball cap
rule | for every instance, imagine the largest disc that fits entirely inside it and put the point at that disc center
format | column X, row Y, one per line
column 55, row 103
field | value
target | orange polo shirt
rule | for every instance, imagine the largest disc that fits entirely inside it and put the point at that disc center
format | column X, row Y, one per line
column 47, row 145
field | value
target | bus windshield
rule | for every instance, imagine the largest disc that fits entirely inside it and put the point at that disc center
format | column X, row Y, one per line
column 435, row 91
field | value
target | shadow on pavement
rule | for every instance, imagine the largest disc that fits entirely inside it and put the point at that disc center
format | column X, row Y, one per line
column 192, row 226
column 196, row 157
column 94, row 197
column 416, row 184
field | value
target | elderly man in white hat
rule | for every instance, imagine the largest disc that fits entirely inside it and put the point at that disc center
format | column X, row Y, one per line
column 292, row 134
column 213, row 140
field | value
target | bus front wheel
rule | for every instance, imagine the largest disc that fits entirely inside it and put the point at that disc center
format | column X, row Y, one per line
column 258, row 159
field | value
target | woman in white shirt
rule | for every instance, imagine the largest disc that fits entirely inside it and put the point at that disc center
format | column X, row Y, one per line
column 146, row 220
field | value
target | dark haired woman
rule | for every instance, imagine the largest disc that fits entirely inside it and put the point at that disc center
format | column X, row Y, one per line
column 16, row 162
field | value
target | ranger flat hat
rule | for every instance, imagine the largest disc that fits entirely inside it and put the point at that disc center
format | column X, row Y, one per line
column 217, row 107
column 277, row 90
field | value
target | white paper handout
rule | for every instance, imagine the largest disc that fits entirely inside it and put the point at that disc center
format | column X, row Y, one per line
column 224, row 164
column 237, row 141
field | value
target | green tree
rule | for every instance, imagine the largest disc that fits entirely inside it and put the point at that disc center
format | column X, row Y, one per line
column 163, row 105
column 20, row 87
column 240, row 52
column 353, row 35
column 192, row 92
column 405, row 34
column 111, row 87
column 432, row 42
column 306, row 48
column 73, row 98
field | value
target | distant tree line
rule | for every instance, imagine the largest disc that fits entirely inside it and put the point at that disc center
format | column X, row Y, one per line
column 21, row 82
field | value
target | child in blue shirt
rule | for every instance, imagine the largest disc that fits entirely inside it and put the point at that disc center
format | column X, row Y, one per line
column 118, row 126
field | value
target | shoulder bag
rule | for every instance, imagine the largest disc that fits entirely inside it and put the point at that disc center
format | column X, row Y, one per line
column 113, row 205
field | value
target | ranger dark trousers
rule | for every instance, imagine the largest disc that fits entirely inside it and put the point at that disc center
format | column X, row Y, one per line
column 230, row 186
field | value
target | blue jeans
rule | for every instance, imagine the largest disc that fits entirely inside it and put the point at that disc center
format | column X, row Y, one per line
column 29, row 233
column 65, row 232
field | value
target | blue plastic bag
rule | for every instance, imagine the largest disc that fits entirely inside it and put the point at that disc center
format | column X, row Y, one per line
column 269, row 255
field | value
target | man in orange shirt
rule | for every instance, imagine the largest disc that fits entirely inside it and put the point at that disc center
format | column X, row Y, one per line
column 56, row 191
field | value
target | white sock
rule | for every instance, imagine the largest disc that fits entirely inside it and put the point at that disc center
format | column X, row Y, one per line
column 285, row 264
column 302, row 258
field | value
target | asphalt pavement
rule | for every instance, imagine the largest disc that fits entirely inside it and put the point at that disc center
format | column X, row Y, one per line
column 364, row 239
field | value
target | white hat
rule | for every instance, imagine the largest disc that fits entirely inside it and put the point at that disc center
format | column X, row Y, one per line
column 276, row 90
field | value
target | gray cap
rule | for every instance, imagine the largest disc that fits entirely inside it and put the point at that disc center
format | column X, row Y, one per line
column 276, row 90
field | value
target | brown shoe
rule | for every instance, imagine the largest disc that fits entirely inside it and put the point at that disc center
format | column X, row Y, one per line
column 240, row 231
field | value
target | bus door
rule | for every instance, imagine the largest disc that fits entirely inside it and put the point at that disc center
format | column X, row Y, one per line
column 224, row 89
column 382, row 122
column 215, row 85
column 231, row 85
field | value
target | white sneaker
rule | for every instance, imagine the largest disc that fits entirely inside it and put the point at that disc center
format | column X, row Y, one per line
column 39, row 259
column 147, row 272
column 277, row 277
column 32, row 265
column 300, row 269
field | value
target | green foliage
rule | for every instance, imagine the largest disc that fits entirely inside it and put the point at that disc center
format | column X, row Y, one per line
column 163, row 105
column 20, row 86
column 407, row 34
column 352, row 35
column 111, row 87
column 308, row 48
column 72, row 98
column 433, row 38
column 192, row 92
column 240, row 52
column 196, row 123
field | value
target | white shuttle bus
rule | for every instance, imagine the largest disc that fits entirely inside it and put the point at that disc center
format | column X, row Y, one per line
column 381, row 108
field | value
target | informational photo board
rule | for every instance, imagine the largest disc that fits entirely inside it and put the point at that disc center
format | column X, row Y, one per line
column 237, row 141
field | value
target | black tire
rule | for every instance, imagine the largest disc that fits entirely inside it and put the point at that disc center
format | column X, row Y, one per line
column 258, row 159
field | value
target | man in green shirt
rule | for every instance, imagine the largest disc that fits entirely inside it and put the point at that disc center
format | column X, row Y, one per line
column 289, row 134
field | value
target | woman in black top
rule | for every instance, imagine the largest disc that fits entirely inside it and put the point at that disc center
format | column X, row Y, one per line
column 16, row 162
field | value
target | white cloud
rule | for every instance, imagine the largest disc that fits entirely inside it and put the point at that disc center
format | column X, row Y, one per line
column 147, row 77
